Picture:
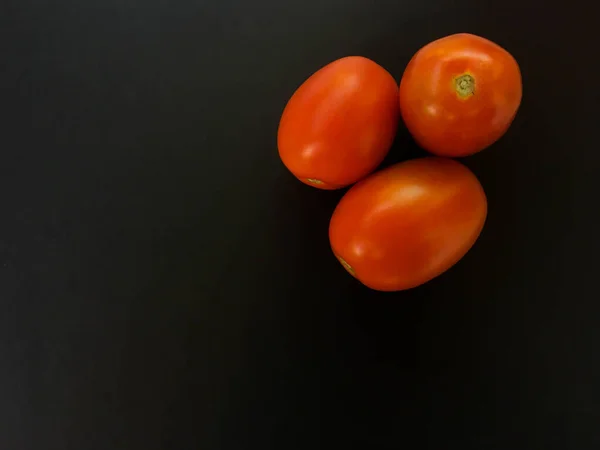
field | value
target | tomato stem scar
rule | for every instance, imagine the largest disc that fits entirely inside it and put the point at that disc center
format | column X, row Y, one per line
column 465, row 85
column 347, row 266
column 314, row 181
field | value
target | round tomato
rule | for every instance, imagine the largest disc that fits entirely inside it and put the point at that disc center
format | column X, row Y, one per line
column 459, row 94
column 409, row 223
column 340, row 124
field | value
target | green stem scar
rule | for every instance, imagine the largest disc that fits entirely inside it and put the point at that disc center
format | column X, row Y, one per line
column 314, row 181
column 347, row 266
column 465, row 85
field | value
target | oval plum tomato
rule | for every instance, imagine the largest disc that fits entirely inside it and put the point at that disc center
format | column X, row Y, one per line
column 409, row 223
column 339, row 125
column 459, row 94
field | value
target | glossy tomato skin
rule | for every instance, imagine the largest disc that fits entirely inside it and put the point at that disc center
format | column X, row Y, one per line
column 459, row 94
column 339, row 125
column 407, row 224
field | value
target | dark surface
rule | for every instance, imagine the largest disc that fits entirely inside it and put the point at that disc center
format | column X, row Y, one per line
column 166, row 284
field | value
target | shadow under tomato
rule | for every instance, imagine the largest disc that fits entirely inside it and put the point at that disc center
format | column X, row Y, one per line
column 403, row 149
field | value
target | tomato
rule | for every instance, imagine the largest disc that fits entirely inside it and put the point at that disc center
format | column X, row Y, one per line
column 409, row 223
column 459, row 94
column 339, row 125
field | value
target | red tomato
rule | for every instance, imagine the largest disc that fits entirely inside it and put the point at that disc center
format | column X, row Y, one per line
column 409, row 223
column 460, row 94
column 340, row 123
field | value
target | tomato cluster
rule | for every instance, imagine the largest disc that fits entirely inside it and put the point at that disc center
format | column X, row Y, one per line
column 406, row 224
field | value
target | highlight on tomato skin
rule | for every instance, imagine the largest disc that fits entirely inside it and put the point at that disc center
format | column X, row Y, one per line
column 340, row 123
column 409, row 223
column 460, row 94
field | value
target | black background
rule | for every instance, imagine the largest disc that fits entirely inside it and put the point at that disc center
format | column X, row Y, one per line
column 166, row 284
